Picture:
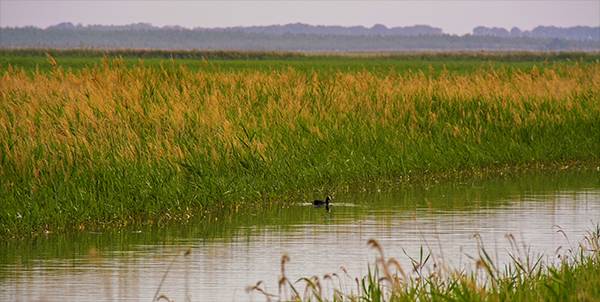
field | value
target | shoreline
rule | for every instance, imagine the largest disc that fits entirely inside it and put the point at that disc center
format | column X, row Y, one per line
column 368, row 184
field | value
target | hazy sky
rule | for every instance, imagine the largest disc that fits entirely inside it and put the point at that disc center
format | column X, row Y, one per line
column 457, row 17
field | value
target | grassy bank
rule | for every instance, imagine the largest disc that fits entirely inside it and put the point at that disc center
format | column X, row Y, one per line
column 575, row 276
column 116, row 144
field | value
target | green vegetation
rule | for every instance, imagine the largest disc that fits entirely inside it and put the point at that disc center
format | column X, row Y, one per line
column 466, row 195
column 576, row 277
column 110, row 143
column 210, row 61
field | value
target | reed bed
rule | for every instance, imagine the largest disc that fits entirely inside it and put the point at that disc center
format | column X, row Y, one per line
column 573, row 274
column 114, row 145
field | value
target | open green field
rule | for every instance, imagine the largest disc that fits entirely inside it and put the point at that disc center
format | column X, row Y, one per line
column 88, row 142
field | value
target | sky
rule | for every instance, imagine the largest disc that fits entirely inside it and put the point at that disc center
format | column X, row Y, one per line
column 454, row 17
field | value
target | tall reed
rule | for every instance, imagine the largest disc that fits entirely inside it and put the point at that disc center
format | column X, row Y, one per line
column 114, row 145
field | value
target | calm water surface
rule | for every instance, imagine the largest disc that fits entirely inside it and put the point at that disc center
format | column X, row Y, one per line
column 239, row 250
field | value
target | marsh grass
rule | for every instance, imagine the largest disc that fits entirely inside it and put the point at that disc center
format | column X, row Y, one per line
column 36, row 60
column 115, row 145
column 575, row 276
column 262, row 55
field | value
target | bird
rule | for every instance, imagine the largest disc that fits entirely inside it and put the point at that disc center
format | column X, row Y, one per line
column 319, row 203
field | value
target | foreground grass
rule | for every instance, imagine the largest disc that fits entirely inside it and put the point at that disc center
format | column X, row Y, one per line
column 114, row 145
column 575, row 276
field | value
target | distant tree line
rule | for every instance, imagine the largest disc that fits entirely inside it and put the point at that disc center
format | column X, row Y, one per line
column 299, row 37
column 582, row 33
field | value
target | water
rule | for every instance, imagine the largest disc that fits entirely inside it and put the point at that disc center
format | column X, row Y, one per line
column 235, row 251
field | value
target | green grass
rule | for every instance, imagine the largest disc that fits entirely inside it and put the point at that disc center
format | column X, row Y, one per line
column 92, row 143
column 464, row 194
column 210, row 61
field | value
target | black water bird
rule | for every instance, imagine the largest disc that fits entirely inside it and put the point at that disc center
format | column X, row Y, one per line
column 319, row 203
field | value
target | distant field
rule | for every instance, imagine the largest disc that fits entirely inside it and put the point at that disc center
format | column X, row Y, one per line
column 305, row 62
column 91, row 142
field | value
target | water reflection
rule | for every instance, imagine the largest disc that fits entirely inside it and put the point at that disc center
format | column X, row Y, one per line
column 241, row 249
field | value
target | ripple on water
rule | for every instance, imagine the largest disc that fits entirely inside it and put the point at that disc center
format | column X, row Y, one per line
column 445, row 220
